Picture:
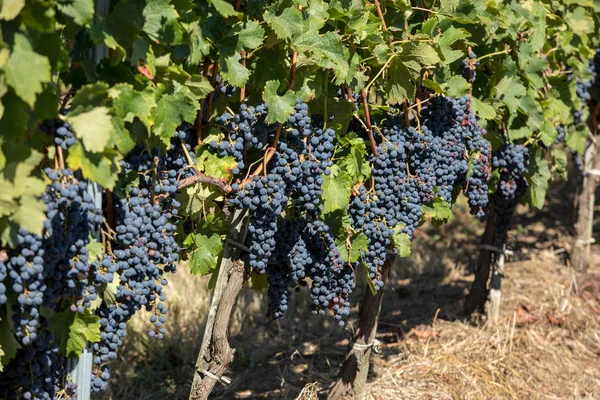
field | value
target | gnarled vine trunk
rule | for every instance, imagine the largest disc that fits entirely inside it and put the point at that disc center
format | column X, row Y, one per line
column 352, row 376
column 479, row 293
column 215, row 353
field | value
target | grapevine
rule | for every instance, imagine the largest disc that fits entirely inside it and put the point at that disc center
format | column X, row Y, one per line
column 333, row 132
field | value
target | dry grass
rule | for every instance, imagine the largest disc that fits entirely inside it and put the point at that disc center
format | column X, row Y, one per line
column 546, row 346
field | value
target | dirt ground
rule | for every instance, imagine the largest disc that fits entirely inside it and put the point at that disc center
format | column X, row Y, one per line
column 546, row 345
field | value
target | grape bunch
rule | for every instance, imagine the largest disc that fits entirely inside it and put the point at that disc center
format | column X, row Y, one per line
column 288, row 242
column 61, row 132
column 3, row 274
column 511, row 160
column 470, row 67
column 414, row 166
column 560, row 135
column 144, row 248
column 180, row 148
column 37, row 371
column 332, row 277
column 266, row 198
column 243, row 131
column 49, row 271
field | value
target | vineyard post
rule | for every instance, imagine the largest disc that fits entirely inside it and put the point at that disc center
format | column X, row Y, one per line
column 352, row 376
column 479, row 292
column 80, row 369
column 584, row 204
column 496, row 283
column 215, row 354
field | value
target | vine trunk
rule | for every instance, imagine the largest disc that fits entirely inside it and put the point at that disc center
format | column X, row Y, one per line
column 352, row 377
column 479, row 293
column 584, row 204
column 215, row 353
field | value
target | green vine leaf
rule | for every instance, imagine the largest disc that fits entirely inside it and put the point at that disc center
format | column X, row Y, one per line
column 539, row 176
column 280, row 107
column 438, row 212
column 170, row 112
column 482, row 109
column 233, row 71
column 80, row 11
column 94, row 136
column 327, row 51
column 457, row 86
column 99, row 167
column 336, row 190
column 510, row 90
column 401, row 243
column 73, row 330
column 8, row 343
column 129, row 104
column 26, row 71
column 224, row 8
column 161, row 22
column 286, row 25
column 399, row 83
column 205, row 252
column 352, row 246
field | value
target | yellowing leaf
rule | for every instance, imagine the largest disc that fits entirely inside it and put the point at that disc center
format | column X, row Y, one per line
column 31, row 214
column 101, row 168
column 93, row 128
column 10, row 9
column 25, row 72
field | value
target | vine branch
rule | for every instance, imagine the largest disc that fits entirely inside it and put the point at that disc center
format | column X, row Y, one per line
column 293, row 71
column 213, row 82
column 380, row 13
column 209, row 180
column 368, row 118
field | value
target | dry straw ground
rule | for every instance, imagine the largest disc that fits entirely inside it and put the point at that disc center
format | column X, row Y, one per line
column 546, row 346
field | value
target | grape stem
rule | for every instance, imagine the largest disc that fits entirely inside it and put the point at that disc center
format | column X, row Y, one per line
column 497, row 53
column 293, row 71
column 380, row 13
column 380, row 72
column 426, row 10
column 61, row 160
column 188, row 157
column 199, row 119
column 110, row 215
column 243, row 88
column 209, row 180
column 263, row 165
column 368, row 118
column 213, row 82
